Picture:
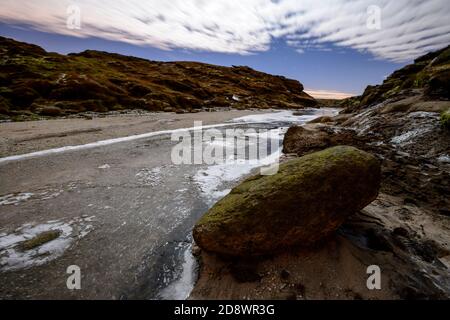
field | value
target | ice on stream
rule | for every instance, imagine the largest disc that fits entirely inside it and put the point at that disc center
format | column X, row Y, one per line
column 183, row 285
column 150, row 176
column 288, row 116
column 409, row 136
column 21, row 197
column 444, row 158
column 216, row 180
column 12, row 257
column 15, row 198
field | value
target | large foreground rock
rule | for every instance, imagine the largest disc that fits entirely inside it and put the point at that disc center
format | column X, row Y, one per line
column 306, row 201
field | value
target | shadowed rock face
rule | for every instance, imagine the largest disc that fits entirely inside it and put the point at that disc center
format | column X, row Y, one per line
column 306, row 201
column 32, row 79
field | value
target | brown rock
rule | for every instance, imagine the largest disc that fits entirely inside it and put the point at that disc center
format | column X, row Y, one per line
column 50, row 111
column 302, row 141
column 305, row 202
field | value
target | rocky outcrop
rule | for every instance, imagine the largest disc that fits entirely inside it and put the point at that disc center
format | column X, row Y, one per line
column 428, row 76
column 30, row 75
column 402, row 122
column 303, row 140
column 299, row 206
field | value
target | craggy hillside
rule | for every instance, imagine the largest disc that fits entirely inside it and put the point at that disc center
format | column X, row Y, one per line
column 33, row 81
column 428, row 76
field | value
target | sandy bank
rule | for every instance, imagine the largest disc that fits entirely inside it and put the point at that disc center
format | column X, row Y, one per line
column 24, row 137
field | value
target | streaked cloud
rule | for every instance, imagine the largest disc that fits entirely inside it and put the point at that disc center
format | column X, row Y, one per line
column 326, row 94
column 409, row 28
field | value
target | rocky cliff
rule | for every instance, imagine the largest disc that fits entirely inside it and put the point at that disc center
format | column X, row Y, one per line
column 33, row 81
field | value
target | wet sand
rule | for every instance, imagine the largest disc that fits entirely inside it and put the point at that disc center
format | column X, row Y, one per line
column 30, row 136
column 124, row 211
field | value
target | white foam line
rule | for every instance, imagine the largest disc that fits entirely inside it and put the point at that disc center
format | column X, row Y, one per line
column 109, row 142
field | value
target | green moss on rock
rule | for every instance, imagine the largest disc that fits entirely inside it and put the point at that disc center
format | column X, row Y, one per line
column 39, row 240
column 445, row 119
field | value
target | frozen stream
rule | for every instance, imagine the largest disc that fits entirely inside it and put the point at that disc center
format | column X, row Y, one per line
column 122, row 210
column 216, row 181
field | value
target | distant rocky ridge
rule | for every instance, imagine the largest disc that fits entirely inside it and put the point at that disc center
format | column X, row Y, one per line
column 33, row 81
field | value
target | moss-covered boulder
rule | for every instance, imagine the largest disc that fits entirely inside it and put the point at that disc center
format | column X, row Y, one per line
column 306, row 201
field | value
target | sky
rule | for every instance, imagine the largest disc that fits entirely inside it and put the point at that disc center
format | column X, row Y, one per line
column 334, row 47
